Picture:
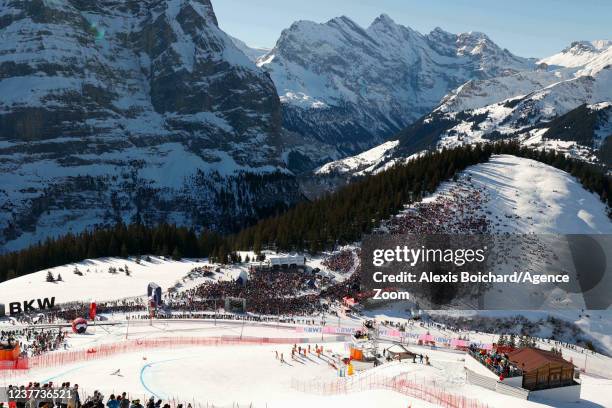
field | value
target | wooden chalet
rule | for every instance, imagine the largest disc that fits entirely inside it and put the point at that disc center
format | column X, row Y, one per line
column 542, row 369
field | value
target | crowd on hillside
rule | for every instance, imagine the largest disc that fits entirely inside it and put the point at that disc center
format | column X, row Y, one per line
column 34, row 341
column 458, row 211
column 70, row 311
column 284, row 294
column 266, row 292
column 278, row 294
column 343, row 261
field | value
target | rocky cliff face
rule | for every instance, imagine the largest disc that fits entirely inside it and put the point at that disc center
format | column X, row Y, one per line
column 120, row 110
column 131, row 69
column 352, row 87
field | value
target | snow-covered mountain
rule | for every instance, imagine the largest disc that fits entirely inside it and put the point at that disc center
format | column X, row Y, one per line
column 149, row 112
column 591, row 56
column 352, row 87
column 252, row 52
column 361, row 163
column 121, row 111
column 572, row 89
column 564, row 104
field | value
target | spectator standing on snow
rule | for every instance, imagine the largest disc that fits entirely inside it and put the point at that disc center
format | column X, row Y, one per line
column 125, row 402
column 136, row 404
column 75, row 399
column 112, row 402
column 64, row 392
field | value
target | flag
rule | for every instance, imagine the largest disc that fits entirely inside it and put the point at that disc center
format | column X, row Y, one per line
column 92, row 311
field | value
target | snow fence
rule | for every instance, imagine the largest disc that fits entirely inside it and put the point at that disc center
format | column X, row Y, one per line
column 427, row 391
column 101, row 351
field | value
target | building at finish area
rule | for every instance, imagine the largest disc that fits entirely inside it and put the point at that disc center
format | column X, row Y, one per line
column 286, row 261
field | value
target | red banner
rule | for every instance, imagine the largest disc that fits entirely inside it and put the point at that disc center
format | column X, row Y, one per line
column 92, row 311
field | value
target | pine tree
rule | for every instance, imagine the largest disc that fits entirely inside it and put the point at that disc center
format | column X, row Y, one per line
column 59, row 278
column 113, row 246
column 512, row 341
column 50, row 277
column 124, row 251
column 176, row 254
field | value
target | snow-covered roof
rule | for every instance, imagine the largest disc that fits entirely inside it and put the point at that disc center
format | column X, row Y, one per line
column 287, row 260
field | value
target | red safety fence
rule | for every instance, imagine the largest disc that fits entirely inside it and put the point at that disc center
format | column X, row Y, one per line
column 422, row 390
column 18, row 364
column 106, row 350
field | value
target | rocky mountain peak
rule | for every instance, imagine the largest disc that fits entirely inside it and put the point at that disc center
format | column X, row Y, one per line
column 352, row 87
column 384, row 20
column 580, row 47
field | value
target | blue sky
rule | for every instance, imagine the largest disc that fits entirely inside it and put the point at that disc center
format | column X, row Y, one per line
column 536, row 28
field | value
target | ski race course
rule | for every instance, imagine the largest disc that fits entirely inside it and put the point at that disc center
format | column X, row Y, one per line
column 232, row 363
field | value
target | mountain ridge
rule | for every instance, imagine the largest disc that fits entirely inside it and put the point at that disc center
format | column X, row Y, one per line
column 524, row 105
column 401, row 75
column 148, row 112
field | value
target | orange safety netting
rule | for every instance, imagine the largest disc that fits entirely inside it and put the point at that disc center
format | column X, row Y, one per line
column 10, row 354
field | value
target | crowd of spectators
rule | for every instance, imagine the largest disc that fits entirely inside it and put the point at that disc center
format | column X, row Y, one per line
column 267, row 293
column 343, row 261
column 276, row 292
column 495, row 361
column 458, row 211
column 50, row 395
column 34, row 341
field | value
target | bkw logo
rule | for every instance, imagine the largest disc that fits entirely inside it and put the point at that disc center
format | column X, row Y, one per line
column 28, row 306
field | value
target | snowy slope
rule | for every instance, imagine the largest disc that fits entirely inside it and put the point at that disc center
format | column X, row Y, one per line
column 479, row 93
column 253, row 53
column 361, row 163
column 352, row 86
column 522, row 196
column 577, row 60
column 571, row 115
column 536, row 98
column 589, row 56
column 95, row 274
column 526, row 196
column 520, row 114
